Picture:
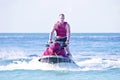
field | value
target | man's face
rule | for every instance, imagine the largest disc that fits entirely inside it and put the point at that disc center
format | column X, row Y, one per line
column 61, row 18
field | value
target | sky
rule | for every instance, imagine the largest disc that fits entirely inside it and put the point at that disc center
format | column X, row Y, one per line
column 39, row 16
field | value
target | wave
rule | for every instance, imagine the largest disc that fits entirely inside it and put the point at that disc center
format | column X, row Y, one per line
column 99, row 64
column 11, row 53
column 17, row 59
column 83, row 65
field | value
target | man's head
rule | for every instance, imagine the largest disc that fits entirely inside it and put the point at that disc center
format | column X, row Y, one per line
column 61, row 17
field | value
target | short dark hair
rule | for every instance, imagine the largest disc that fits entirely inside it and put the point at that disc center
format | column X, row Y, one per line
column 62, row 15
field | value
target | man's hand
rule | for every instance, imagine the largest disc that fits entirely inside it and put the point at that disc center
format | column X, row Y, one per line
column 67, row 42
column 49, row 41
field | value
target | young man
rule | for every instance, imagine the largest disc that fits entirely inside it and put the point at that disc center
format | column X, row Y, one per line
column 62, row 30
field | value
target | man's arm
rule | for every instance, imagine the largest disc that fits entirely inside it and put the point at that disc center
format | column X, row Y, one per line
column 51, row 33
column 68, row 32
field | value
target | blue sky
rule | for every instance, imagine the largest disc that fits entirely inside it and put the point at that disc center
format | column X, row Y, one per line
column 38, row 16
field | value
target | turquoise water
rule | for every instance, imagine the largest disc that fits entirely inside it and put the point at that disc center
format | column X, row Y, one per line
column 113, row 74
column 96, row 54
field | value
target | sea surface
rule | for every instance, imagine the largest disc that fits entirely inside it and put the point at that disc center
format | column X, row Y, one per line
column 96, row 54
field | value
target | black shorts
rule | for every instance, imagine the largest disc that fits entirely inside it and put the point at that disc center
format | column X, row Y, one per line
column 62, row 40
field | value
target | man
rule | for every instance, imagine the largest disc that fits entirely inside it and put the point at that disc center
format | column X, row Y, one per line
column 62, row 30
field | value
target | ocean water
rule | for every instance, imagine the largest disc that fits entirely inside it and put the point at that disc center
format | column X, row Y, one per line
column 97, row 56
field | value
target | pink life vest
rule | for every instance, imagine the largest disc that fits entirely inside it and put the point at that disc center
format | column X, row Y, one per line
column 61, row 29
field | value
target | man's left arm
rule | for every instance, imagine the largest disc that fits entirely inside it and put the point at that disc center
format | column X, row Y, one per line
column 68, row 32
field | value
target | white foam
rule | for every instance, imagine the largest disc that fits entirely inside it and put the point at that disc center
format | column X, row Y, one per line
column 11, row 53
column 85, row 65
column 99, row 64
column 34, row 64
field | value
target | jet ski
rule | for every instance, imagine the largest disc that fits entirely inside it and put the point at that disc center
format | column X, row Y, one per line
column 55, row 53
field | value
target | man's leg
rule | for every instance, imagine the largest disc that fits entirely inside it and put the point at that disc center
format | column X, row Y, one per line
column 68, row 51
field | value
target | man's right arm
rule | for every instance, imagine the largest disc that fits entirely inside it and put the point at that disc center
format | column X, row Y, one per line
column 51, row 34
